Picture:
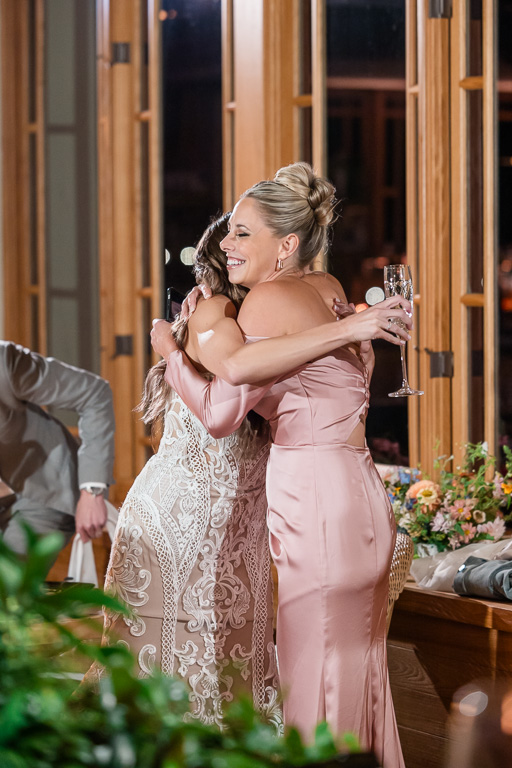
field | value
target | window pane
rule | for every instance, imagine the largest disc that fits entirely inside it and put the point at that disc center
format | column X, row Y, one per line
column 475, row 191
column 305, row 82
column 35, row 342
column 144, row 204
column 32, row 162
column 306, row 134
column 476, row 380
column 192, row 126
column 144, row 52
column 366, row 161
column 31, row 20
column 71, row 182
column 505, row 220
column 366, row 38
column 474, row 64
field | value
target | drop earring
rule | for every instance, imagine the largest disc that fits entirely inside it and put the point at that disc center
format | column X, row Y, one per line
column 279, row 264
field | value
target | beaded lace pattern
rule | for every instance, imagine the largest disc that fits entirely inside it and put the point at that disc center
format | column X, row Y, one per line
column 191, row 558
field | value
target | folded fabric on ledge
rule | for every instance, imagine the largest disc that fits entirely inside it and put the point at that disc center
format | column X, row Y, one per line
column 490, row 579
column 438, row 571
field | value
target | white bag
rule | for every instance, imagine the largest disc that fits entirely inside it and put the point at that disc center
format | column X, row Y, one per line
column 438, row 571
column 82, row 566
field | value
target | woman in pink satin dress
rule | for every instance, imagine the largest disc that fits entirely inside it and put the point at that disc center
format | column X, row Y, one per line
column 331, row 526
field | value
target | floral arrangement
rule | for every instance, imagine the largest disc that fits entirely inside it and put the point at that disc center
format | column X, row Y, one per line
column 467, row 505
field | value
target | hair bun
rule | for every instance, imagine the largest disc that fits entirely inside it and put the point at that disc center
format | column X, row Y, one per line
column 322, row 201
column 319, row 193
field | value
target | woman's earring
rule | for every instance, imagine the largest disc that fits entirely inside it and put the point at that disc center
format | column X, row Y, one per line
column 279, row 264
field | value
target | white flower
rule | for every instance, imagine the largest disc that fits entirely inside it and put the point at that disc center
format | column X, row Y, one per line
column 406, row 521
column 397, row 506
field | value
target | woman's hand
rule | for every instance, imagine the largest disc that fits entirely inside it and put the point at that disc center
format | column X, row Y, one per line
column 364, row 348
column 191, row 299
column 380, row 321
column 162, row 339
column 342, row 309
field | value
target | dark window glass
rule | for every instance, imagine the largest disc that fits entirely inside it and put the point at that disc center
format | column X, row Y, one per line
column 366, row 161
column 192, row 126
column 475, row 175
column 505, row 220
column 476, row 374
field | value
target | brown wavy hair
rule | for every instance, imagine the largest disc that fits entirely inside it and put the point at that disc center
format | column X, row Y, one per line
column 210, row 267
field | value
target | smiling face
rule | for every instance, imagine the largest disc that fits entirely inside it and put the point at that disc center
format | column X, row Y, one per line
column 251, row 247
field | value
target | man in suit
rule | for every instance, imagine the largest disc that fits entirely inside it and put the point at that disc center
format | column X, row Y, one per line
column 58, row 483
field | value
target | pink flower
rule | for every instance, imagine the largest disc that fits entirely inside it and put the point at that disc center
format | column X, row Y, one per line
column 469, row 532
column 440, row 523
column 498, row 489
column 496, row 528
column 461, row 509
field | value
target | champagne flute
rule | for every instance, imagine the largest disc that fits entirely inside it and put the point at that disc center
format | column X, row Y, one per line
column 398, row 282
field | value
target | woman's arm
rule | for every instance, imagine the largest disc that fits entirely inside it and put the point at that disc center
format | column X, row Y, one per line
column 219, row 406
column 221, row 348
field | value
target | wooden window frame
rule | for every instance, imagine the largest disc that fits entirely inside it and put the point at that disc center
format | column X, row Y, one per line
column 437, row 227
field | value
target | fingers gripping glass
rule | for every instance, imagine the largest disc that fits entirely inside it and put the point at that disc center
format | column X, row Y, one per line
column 398, row 282
column 173, row 302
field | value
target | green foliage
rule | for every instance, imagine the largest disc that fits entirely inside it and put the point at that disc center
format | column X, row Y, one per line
column 124, row 722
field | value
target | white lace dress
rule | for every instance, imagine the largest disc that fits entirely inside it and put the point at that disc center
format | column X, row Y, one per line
column 190, row 556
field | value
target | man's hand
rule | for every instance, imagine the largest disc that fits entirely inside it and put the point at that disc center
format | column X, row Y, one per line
column 91, row 516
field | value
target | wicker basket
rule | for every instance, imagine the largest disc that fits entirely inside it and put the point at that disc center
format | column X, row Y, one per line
column 400, row 564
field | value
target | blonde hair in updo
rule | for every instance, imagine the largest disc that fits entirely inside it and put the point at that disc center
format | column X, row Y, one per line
column 298, row 201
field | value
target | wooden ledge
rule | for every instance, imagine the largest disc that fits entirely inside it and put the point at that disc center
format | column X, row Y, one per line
column 490, row 614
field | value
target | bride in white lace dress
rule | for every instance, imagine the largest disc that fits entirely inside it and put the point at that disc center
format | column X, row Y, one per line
column 190, row 555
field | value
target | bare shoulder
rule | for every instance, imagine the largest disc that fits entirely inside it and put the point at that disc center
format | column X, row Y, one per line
column 270, row 294
column 280, row 307
column 209, row 312
column 325, row 283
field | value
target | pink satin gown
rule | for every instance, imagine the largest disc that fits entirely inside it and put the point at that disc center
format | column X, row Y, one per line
column 332, row 535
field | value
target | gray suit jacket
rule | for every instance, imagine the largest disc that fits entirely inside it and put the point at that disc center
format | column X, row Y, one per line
column 39, row 458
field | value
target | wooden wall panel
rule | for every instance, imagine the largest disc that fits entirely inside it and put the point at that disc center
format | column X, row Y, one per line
column 434, row 231
column 15, row 202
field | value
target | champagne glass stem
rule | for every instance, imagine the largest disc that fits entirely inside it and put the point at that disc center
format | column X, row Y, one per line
column 405, row 383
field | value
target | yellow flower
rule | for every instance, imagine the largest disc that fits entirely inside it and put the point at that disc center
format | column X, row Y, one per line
column 428, row 496
column 420, row 486
column 425, row 492
column 506, row 487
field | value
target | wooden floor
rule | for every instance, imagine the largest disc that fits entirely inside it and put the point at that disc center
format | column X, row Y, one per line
column 439, row 642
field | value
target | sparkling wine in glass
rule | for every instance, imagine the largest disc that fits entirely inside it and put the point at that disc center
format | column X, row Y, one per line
column 398, row 282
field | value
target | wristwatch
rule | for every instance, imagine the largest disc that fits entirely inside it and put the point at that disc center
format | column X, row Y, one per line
column 94, row 490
